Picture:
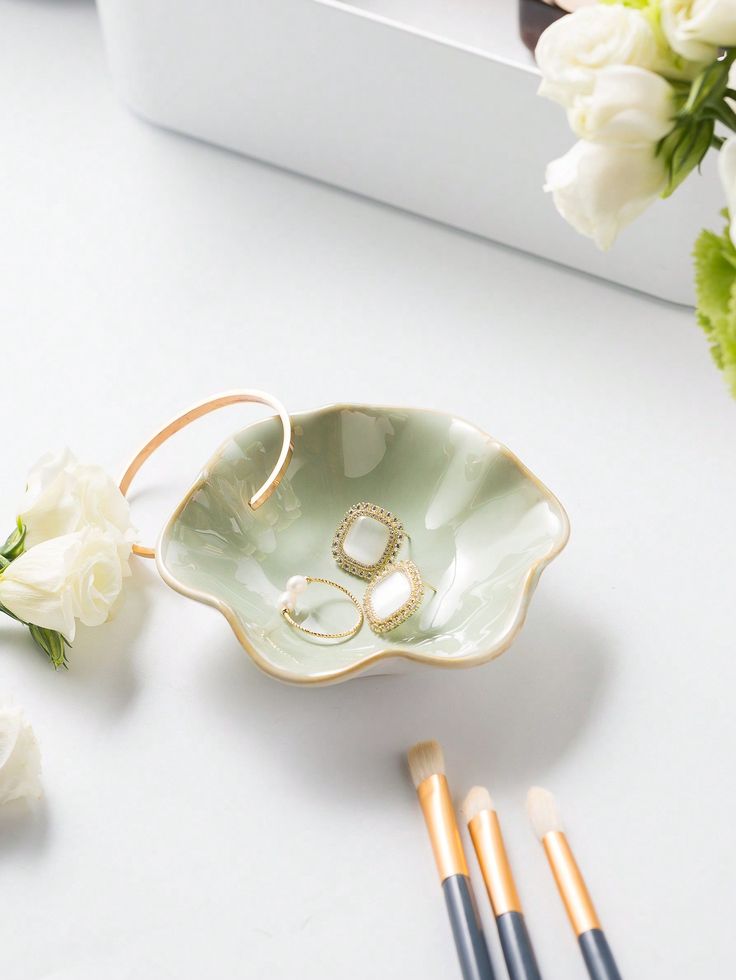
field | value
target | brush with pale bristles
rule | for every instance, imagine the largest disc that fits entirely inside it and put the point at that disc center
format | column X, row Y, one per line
column 485, row 832
column 547, row 826
column 427, row 768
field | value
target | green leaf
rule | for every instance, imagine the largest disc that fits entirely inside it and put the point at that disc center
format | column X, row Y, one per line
column 696, row 90
column 677, row 145
column 715, row 285
column 685, row 146
column 687, row 154
column 725, row 114
column 52, row 643
column 15, row 543
column 710, row 86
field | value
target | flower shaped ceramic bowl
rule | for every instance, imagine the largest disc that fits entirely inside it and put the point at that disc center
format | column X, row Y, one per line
column 481, row 528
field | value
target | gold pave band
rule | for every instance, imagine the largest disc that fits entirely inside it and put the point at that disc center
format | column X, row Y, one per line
column 344, row 634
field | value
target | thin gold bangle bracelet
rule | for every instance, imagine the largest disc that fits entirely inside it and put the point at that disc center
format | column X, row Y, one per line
column 344, row 634
column 196, row 412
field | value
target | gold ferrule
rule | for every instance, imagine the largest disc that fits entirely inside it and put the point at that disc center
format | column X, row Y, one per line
column 436, row 803
column 485, row 832
column 570, row 883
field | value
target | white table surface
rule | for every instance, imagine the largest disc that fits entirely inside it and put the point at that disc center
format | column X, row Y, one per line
column 200, row 819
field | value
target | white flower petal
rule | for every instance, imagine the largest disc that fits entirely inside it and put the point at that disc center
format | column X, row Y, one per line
column 79, row 539
column 575, row 47
column 599, row 189
column 55, row 511
column 45, row 566
column 64, row 496
column 696, row 29
column 20, row 758
column 626, row 105
column 46, row 469
column 10, row 723
column 54, row 612
column 98, row 579
column 36, row 586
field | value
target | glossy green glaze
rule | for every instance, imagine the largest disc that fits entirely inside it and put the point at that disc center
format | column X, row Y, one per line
column 482, row 528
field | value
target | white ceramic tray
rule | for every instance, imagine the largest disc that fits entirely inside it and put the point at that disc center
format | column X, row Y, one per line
column 433, row 111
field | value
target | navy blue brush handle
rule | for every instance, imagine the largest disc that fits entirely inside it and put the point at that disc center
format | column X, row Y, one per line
column 470, row 942
column 598, row 956
column 517, row 947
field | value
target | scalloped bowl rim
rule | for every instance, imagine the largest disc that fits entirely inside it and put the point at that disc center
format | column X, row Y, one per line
column 344, row 673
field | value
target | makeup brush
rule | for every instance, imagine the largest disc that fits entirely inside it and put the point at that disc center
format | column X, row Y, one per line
column 547, row 826
column 427, row 768
column 485, row 832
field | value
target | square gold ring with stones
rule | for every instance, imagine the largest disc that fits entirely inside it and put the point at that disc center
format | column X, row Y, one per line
column 367, row 539
column 393, row 596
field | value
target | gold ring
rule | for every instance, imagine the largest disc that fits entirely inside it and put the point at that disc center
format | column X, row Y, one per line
column 367, row 539
column 384, row 614
column 287, row 604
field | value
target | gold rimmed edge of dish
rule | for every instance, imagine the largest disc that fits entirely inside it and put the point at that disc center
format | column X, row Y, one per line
column 390, row 653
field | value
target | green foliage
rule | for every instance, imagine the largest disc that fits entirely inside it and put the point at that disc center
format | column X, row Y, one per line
column 702, row 104
column 715, row 283
column 52, row 643
column 684, row 149
column 15, row 543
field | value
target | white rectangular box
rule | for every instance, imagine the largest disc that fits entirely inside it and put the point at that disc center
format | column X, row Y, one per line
column 422, row 120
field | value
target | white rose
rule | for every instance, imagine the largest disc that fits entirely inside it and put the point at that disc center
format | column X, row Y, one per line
column 63, row 496
column 97, row 579
column 600, row 188
column 696, row 29
column 727, row 170
column 51, row 505
column 70, row 577
column 20, row 759
column 626, row 105
column 35, row 587
column 574, row 48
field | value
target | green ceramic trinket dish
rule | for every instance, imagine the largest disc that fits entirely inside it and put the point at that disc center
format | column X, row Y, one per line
column 480, row 527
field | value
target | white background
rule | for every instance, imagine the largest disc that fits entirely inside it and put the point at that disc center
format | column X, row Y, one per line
column 199, row 818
